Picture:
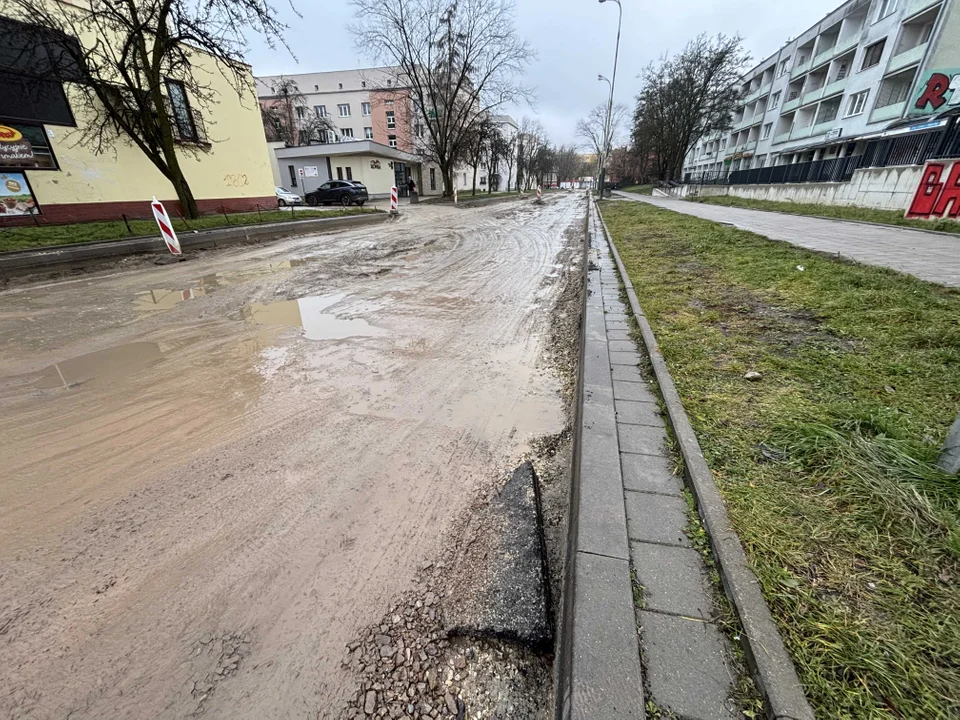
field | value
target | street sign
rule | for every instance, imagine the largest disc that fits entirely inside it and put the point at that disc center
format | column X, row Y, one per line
column 311, row 171
column 834, row 134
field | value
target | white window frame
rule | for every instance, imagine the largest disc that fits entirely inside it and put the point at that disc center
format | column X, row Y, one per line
column 767, row 129
column 784, row 66
column 883, row 47
column 343, row 109
column 392, row 141
column 320, row 110
column 775, row 100
column 852, row 101
column 365, row 109
column 887, row 8
column 346, row 133
column 368, row 133
column 391, row 119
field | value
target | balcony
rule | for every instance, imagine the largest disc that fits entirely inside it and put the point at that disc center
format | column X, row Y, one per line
column 844, row 45
column 790, row 105
column 799, row 70
column 812, row 96
column 823, row 127
column 908, row 57
column 890, row 112
column 781, row 138
column 758, row 93
column 800, row 133
column 825, row 56
column 750, row 146
column 919, row 5
column 835, row 87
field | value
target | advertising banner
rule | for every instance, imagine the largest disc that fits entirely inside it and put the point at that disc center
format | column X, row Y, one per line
column 16, row 197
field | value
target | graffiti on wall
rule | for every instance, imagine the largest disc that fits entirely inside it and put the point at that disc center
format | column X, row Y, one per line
column 938, row 194
column 939, row 90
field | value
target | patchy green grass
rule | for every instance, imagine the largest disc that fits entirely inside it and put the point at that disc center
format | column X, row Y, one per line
column 827, row 464
column 34, row 236
column 840, row 212
column 638, row 189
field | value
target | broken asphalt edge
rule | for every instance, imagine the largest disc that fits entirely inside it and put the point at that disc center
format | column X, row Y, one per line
column 597, row 673
column 24, row 261
column 767, row 656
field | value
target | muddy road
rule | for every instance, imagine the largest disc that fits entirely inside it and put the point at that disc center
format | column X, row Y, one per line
column 256, row 449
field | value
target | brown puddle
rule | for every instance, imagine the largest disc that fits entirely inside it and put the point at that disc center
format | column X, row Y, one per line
column 308, row 313
column 110, row 363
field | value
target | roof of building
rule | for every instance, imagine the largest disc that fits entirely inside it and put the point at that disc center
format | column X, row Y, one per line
column 354, row 147
column 361, row 79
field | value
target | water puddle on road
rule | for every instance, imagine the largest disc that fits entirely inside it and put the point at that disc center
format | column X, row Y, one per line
column 309, row 314
column 111, row 364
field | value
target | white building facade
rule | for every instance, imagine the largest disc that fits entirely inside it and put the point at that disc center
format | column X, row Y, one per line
column 861, row 71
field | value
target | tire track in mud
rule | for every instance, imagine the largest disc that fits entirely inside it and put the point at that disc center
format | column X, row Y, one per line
column 198, row 498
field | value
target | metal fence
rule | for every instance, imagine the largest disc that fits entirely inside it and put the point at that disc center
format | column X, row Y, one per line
column 832, row 170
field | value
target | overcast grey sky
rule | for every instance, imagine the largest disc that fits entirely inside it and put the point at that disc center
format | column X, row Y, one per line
column 574, row 41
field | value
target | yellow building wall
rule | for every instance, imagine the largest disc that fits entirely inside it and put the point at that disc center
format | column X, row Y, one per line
column 236, row 166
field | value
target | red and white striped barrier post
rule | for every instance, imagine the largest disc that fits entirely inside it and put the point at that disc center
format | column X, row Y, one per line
column 454, row 194
column 393, row 201
column 167, row 232
column 539, row 196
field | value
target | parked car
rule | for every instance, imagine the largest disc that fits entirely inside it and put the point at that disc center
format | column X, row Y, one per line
column 285, row 197
column 344, row 192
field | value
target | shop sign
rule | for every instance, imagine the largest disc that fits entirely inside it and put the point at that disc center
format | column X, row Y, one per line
column 16, row 197
column 938, row 194
column 15, row 149
column 834, row 134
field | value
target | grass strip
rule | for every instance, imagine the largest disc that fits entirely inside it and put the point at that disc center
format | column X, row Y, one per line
column 839, row 212
column 36, row 236
column 827, row 464
column 638, row 189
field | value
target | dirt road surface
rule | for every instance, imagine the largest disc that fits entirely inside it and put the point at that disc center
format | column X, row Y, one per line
column 256, row 450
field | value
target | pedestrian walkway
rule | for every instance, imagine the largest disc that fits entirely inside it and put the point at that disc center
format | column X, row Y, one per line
column 632, row 516
column 928, row 256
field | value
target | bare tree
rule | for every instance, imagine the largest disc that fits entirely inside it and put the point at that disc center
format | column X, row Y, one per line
column 134, row 66
column 287, row 117
column 530, row 138
column 591, row 129
column 509, row 154
column 686, row 97
column 460, row 59
column 478, row 145
column 497, row 149
column 568, row 163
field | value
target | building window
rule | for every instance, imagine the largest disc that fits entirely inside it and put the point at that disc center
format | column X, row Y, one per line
column 418, row 130
column 368, row 133
column 483, row 179
column 325, row 136
column 293, row 175
column 349, row 173
column 365, row 109
column 339, row 86
column 766, row 131
column 316, row 87
column 391, row 119
column 180, row 111
column 321, row 110
column 433, row 178
column 828, row 111
column 872, row 55
column 346, row 133
column 363, row 83
column 464, row 179
column 301, row 112
column 887, row 7
column 775, row 100
column 344, row 109
column 857, row 103
column 388, row 103
column 895, row 89
column 339, row 173
column 392, row 140
column 31, row 152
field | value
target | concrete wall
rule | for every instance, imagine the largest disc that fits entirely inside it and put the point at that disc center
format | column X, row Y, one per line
column 889, row 188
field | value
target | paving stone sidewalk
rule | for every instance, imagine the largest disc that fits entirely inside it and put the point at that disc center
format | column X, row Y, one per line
column 685, row 657
column 928, row 256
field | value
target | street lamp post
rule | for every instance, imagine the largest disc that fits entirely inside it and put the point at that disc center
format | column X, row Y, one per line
column 603, row 133
column 608, row 126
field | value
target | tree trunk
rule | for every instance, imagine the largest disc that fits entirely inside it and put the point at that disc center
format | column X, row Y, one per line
column 446, row 172
column 188, row 204
column 474, row 181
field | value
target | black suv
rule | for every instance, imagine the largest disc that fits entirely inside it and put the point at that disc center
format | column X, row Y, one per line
column 345, row 192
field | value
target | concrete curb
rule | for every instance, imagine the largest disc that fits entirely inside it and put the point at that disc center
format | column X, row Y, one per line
column 23, row 261
column 766, row 654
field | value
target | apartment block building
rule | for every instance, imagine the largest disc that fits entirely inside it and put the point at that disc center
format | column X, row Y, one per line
column 364, row 104
column 868, row 69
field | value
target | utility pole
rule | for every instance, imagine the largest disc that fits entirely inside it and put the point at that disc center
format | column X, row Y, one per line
column 608, row 126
